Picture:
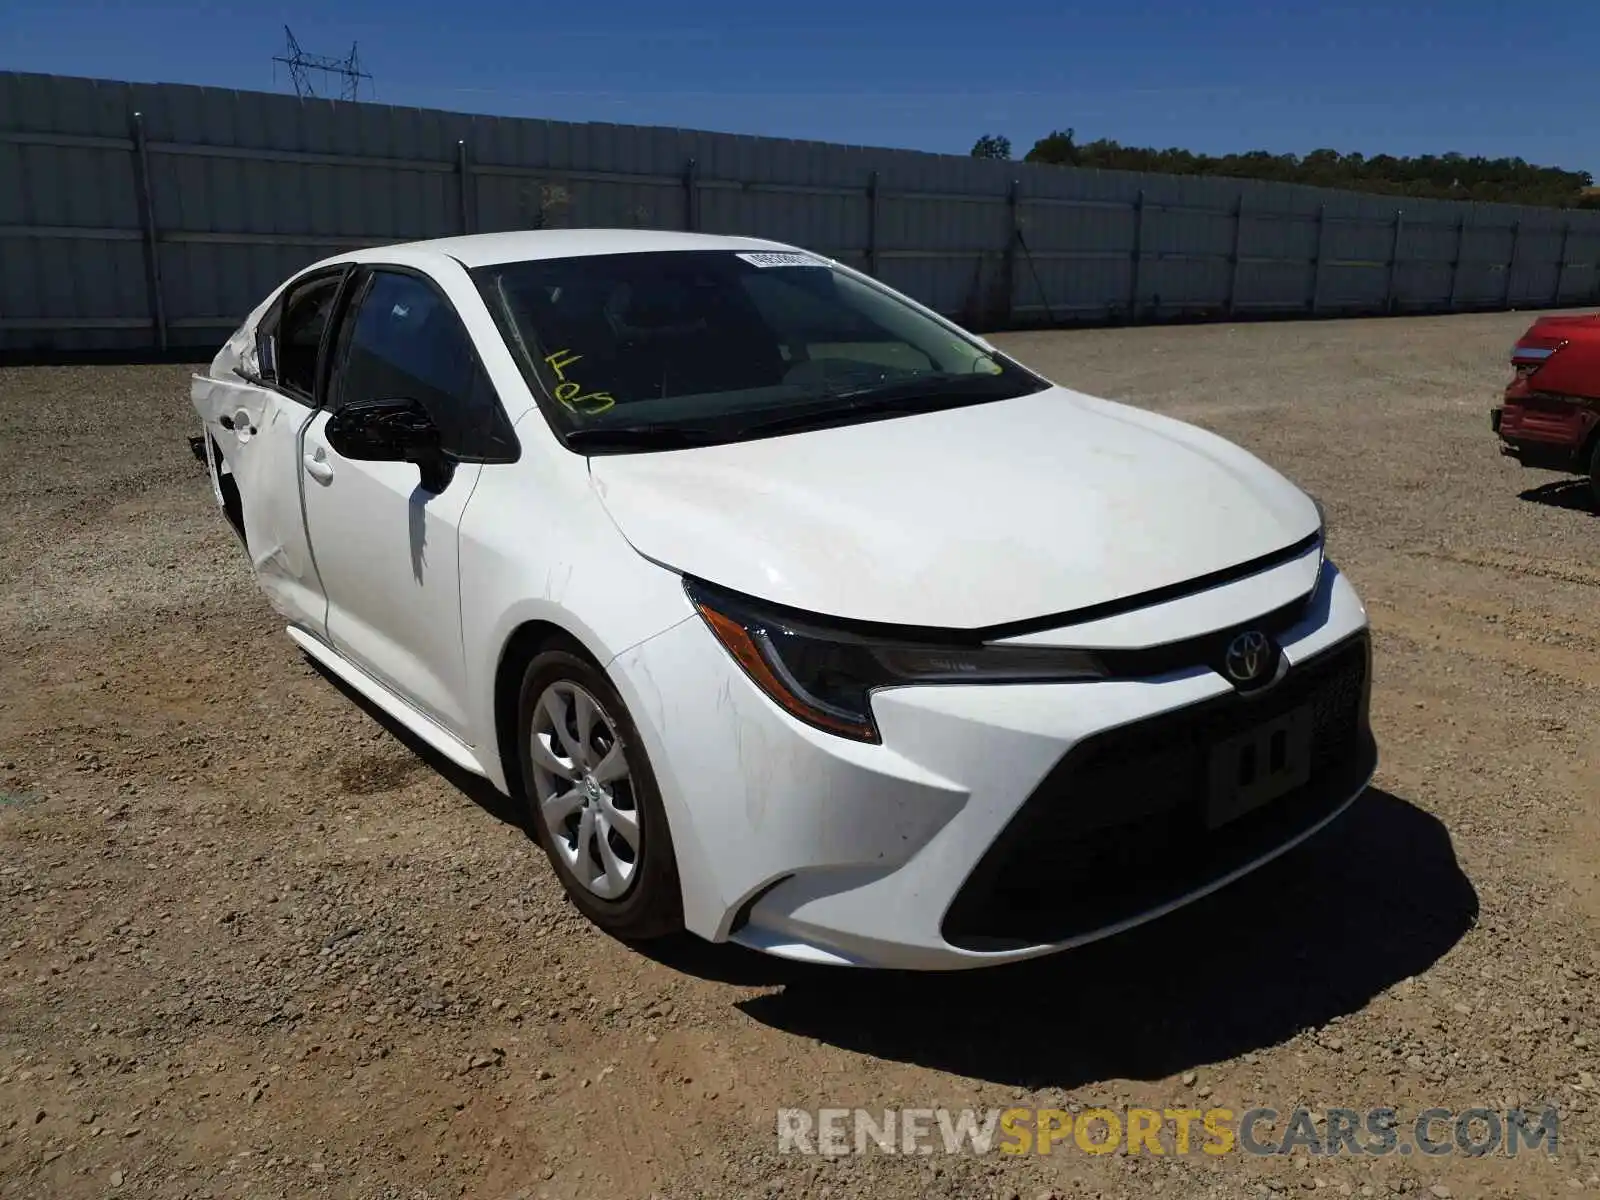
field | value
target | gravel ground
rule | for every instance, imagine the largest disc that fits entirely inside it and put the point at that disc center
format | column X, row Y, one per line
column 252, row 944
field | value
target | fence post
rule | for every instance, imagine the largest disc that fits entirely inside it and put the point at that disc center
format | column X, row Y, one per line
column 872, row 224
column 1316, row 263
column 1134, row 257
column 1394, row 261
column 1010, row 262
column 1511, row 263
column 1233, row 259
column 147, row 217
column 691, row 195
column 1561, row 263
column 1455, row 263
column 464, row 178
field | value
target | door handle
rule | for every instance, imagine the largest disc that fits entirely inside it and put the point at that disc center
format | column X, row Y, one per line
column 319, row 469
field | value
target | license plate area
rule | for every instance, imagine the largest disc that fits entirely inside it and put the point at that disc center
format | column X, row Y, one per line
column 1258, row 766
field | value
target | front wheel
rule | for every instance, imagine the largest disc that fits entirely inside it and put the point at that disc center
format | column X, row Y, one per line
column 1594, row 474
column 596, row 808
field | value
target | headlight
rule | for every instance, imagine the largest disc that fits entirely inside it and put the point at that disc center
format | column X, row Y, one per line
column 825, row 676
column 1322, row 536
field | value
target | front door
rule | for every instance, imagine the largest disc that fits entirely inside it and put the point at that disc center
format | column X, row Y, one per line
column 386, row 546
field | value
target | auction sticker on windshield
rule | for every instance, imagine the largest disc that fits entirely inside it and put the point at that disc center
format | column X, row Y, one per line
column 775, row 258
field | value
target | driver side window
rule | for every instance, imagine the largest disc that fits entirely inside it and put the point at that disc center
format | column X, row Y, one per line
column 403, row 340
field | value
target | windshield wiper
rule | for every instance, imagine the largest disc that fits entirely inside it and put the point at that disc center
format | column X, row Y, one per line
column 902, row 398
column 641, row 437
column 933, row 385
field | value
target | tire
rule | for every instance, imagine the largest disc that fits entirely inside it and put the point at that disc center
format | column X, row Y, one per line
column 1594, row 474
column 631, row 893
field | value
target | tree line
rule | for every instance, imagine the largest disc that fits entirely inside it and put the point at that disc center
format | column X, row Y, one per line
column 1435, row 176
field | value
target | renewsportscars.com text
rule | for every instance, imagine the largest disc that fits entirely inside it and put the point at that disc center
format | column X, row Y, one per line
column 1432, row 1132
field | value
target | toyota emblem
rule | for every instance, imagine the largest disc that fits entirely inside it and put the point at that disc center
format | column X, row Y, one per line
column 1249, row 657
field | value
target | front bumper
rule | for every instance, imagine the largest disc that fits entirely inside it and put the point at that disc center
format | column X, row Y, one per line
column 993, row 823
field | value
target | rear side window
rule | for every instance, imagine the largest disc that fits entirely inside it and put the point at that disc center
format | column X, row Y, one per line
column 299, row 335
column 403, row 340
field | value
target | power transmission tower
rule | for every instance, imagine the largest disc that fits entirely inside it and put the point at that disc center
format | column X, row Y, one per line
column 301, row 64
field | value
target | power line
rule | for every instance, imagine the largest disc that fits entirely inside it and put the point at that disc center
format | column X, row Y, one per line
column 301, row 64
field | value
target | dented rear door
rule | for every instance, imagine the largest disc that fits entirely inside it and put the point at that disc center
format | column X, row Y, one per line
column 255, row 401
column 259, row 432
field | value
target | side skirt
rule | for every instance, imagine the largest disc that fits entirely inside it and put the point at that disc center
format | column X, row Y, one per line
column 430, row 731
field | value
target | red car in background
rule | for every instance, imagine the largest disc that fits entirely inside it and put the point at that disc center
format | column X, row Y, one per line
column 1550, row 416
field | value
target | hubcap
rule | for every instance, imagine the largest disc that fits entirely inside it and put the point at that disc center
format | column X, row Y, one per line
column 584, row 792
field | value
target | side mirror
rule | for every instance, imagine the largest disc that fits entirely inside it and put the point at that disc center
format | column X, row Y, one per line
column 396, row 430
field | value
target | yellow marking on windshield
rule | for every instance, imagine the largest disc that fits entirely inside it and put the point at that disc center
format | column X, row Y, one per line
column 561, row 360
column 570, row 393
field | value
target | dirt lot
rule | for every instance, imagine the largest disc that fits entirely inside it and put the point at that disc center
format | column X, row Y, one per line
column 252, row 944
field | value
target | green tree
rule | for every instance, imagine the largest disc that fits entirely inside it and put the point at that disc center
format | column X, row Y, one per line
column 1057, row 147
column 1451, row 175
column 992, row 145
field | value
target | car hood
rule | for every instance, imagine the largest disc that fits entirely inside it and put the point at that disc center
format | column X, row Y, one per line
column 959, row 519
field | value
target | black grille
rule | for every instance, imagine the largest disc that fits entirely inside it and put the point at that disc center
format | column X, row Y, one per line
column 1208, row 649
column 1118, row 827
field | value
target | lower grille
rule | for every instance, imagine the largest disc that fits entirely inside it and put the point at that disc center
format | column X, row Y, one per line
column 1118, row 827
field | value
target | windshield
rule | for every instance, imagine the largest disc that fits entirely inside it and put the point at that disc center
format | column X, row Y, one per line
column 634, row 351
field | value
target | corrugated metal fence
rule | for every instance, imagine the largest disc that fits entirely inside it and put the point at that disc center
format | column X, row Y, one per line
column 139, row 216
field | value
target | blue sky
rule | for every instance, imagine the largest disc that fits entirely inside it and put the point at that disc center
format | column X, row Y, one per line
column 1405, row 78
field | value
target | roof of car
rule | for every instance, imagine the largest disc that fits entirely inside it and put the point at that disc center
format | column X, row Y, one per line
column 484, row 249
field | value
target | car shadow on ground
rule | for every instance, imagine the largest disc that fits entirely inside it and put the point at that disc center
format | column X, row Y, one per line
column 1375, row 898
column 1576, row 495
column 474, row 787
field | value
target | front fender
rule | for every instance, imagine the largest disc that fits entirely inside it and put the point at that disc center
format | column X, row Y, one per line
column 537, row 546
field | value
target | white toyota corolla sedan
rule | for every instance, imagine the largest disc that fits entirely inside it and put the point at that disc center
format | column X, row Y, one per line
column 799, row 616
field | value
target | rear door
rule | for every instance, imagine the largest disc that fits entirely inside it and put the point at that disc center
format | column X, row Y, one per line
column 386, row 546
column 256, row 416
